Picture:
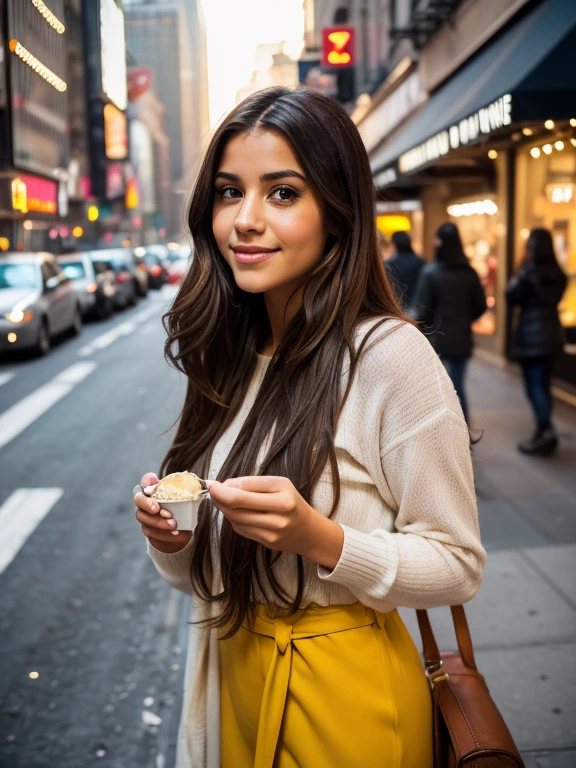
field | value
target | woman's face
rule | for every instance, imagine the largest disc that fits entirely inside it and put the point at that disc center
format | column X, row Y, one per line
column 269, row 224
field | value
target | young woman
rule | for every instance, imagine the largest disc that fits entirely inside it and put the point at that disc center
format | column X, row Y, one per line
column 449, row 298
column 344, row 475
column 537, row 288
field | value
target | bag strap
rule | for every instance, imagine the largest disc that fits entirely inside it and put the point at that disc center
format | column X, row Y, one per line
column 432, row 656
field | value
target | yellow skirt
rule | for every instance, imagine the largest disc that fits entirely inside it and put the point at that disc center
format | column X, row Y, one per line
column 334, row 687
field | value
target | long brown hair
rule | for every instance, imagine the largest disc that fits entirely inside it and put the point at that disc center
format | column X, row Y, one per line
column 215, row 329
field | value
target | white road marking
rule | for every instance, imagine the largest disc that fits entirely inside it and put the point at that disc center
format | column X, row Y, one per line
column 17, row 418
column 20, row 515
column 6, row 377
column 124, row 329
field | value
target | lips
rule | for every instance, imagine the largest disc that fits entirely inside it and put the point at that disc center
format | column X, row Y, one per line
column 251, row 254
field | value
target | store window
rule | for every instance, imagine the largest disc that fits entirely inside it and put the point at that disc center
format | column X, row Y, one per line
column 546, row 197
column 479, row 224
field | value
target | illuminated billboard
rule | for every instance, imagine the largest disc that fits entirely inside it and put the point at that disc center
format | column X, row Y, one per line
column 113, row 53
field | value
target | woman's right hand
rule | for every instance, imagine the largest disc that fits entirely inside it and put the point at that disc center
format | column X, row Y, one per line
column 158, row 525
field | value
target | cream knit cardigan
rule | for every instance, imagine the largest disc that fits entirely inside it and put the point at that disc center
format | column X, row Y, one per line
column 407, row 509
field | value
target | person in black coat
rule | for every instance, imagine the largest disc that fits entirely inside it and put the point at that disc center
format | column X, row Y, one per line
column 403, row 268
column 449, row 298
column 537, row 288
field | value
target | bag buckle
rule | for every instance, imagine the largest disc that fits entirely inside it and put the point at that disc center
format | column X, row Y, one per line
column 435, row 674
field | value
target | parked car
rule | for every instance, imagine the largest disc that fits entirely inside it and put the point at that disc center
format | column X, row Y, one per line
column 177, row 263
column 93, row 281
column 131, row 281
column 123, row 260
column 37, row 302
column 152, row 258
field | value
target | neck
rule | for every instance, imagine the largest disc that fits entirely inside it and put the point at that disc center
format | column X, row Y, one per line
column 280, row 313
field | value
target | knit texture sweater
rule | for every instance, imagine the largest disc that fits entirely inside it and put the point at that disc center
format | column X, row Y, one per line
column 407, row 509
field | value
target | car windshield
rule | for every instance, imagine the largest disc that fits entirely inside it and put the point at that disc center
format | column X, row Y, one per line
column 74, row 270
column 18, row 276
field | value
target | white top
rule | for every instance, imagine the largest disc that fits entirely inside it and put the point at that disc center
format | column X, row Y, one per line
column 407, row 508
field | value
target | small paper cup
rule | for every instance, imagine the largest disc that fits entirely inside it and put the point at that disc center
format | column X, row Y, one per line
column 184, row 512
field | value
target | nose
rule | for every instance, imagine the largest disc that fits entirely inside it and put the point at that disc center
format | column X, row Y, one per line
column 250, row 216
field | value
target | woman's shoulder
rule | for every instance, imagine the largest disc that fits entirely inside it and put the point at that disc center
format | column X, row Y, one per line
column 402, row 372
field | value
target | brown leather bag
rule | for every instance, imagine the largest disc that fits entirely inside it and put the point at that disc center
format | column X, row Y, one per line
column 469, row 731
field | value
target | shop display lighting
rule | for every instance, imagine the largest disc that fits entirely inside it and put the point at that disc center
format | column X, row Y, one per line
column 559, row 145
column 557, row 193
column 93, row 213
column 549, row 124
column 573, row 122
column 573, row 142
column 492, row 154
column 535, row 152
column 478, row 207
column 527, row 131
column 547, row 149
column 126, row 243
column 54, row 22
column 77, row 232
column 31, row 60
column 28, row 224
column 4, row 243
column 64, row 232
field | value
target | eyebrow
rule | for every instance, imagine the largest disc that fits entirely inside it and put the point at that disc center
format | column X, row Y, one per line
column 265, row 176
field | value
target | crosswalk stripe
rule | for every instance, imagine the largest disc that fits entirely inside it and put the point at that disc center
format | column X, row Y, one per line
column 20, row 515
column 17, row 418
column 6, row 377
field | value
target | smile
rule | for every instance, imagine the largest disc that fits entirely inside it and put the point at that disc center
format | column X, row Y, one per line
column 252, row 258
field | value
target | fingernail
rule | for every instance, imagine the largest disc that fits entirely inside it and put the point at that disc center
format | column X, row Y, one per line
column 172, row 523
column 164, row 512
column 174, row 533
column 155, row 507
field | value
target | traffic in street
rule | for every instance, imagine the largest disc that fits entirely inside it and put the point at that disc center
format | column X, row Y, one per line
column 93, row 641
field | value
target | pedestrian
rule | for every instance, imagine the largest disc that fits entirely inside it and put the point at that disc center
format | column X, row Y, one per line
column 537, row 288
column 403, row 268
column 449, row 298
column 342, row 473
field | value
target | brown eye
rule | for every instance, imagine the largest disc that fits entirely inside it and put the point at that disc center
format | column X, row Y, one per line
column 285, row 194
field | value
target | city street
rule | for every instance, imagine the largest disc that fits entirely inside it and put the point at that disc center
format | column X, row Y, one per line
column 93, row 644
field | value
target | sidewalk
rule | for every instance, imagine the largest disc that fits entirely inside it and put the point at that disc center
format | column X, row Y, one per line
column 523, row 620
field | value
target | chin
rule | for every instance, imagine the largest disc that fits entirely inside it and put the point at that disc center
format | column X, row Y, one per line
column 254, row 283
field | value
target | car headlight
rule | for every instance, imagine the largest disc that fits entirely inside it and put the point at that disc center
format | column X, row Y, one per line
column 19, row 316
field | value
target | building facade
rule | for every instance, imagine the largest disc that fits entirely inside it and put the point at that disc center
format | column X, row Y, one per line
column 474, row 122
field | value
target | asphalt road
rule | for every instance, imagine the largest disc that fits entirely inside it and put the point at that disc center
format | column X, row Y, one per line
column 93, row 641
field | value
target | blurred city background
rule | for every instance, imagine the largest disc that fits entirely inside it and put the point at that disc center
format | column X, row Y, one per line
column 467, row 109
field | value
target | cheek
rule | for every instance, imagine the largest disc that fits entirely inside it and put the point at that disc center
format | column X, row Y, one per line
column 302, row 233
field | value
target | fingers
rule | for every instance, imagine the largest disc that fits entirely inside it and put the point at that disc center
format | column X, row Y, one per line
column 257, row 483
column 147, row 504
column 153, row 534
column 234, row 497
column 157, row 522
column 149, row 479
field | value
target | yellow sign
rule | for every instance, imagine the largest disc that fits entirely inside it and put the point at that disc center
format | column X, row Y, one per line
column 19, row 196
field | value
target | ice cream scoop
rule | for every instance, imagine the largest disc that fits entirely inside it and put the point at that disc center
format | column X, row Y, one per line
column 181, row 493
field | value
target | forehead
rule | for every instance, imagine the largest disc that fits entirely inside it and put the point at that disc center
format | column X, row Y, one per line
column 258, row 152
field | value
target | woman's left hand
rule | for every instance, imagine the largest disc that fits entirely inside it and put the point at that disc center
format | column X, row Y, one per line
column 270, row 510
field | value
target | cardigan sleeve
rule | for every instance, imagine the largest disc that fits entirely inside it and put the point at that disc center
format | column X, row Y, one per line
column 433, row 555
column 174, row 568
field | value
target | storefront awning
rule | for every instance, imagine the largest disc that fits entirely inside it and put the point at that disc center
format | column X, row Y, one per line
column 527, row 74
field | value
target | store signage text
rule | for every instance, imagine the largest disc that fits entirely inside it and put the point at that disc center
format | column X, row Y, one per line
column 30, row 193
column 385, row 177
column 481, row 123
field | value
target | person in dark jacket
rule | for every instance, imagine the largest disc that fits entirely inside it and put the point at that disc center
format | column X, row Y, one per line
column 403, row 268
column 449, row 298
column 537, row 288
